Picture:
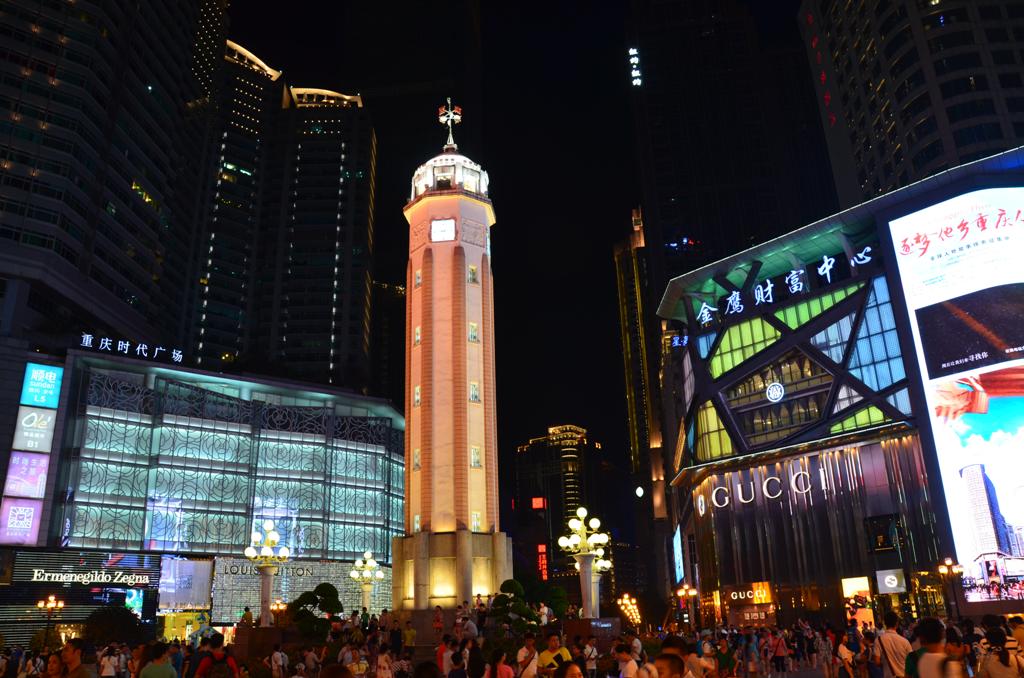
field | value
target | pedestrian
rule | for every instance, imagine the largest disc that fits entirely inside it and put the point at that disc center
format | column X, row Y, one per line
column 217, row 663
column 846, row 657
column 779, row 653
column 476, row 666
column 931, row 659
column 553, row 656
column 71, row 657
column 277, row 662
column 893, row 647
column 526, row 658
column 590, row 655
column 109, row 662
column 54, row 668
column 438, row 621
column 498, row 668
column 408, row 637
column 384, row 662
column 871, row 656
column 999, row 662
column 395, row 639
column 457, row 670
column 158, row 663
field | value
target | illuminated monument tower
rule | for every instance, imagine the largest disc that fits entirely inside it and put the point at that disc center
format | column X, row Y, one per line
column 453, row 548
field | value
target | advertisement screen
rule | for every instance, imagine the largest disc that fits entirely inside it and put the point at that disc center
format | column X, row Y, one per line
column 26, row 475
column 185, row 584
column 960, row 263
column 41, row 386
column 35, row 429
column 677, row 554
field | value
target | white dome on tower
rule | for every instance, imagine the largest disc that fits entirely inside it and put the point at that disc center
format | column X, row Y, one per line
column 449, row 171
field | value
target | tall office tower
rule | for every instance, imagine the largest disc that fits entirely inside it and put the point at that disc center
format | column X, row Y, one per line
column 453, row 548
column 554, row 476
column 907, row 89
column 312, row 310
column 387, row 345
column 96, row 201
column 990, row 533
column 95, row 210
column 249, row 98
column 639, row 328
column 283, row 262
column 727, row 135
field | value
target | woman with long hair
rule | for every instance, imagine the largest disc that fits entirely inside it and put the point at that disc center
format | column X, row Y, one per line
column 999, row 663
column 498, row 668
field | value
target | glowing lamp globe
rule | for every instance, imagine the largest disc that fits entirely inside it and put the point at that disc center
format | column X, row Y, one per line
column 367, row 555
column 574, row 524
column 266, row 552
column 639, row 491
column 594, row 523
column 268, row 525
column 256, row 536
column 250, row 552
column 371, row 563
column 354, row 574
column 367, row 574
column 359, row 562
column 563, row 542
column 380, row 574
column 284, row 552
column 581, row 512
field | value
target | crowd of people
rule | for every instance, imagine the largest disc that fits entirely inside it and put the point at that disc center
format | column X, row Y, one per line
column 363, row 645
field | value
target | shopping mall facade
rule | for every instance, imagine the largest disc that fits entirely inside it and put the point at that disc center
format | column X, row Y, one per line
column 845, row 400
column 133, row 481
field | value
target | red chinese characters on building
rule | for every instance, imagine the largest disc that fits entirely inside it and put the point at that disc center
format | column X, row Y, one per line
column 968, row 230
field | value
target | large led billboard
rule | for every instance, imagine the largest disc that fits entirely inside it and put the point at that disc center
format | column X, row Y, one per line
column 961, row 262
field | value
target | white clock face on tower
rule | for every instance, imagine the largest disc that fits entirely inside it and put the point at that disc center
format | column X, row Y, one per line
column 442, row 230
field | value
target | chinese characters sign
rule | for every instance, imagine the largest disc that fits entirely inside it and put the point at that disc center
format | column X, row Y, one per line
column 41, row 385
column 27, row 467
column 137, row 349
column 960, row 266
column 759, row 294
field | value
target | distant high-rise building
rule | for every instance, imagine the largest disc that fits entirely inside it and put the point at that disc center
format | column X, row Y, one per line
column 990, row 529
column 555, row 474
column 639, row 328
column 907, row 89
column 287, row 242
column 728, row 141
column 387, row 346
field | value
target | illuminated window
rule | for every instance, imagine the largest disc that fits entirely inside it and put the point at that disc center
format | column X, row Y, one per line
column 832, row 340
column 416, row 459
column 416, row 523
column 472, row 277
column 901, row 401
column 474, row 332
column 418, row 278
column 739, row 343
column 416, row 336
column 869, row 416
column 876, row 358
column 538, row 503
column 474, row 521
column 416, row 396
column 713, row 441
column 806, row 387
column 474, row 392
column 846, row 397
column 474, row 457
column 798, row 314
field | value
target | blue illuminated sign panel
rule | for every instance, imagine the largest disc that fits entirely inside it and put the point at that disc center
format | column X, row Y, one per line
column 41, row 386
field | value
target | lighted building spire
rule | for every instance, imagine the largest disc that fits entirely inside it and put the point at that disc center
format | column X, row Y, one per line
column 453, row 548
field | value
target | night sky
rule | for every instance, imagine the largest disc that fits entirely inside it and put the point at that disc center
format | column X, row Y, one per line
column 546, row 112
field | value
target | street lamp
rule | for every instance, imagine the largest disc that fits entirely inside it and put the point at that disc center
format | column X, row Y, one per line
column 366, row 570
column 627, row 604
column 686, row 593
column 601, row 565
column 950, row 572
column 50, row 604
column 278, row 606
column 261, row 552
column 585, row 545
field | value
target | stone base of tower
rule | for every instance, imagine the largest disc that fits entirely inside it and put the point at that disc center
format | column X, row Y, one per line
column 447, row 568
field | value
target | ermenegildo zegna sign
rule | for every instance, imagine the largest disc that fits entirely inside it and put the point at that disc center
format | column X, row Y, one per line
column 115, row 577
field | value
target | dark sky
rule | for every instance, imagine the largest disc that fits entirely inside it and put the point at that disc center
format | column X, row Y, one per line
column 545, row 98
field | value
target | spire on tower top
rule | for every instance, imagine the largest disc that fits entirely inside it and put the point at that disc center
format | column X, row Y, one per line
column 449, row 115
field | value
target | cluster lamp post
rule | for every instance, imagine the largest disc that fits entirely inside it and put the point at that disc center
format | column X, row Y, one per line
column 264, row 552
column 365, row 571
column 50, row 604
column 586, row 546
column 950, row 572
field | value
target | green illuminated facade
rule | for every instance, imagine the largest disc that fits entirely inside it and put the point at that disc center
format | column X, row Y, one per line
column 181, row 461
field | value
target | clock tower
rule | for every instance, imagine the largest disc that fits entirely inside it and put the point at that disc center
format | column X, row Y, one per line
column 453, row 548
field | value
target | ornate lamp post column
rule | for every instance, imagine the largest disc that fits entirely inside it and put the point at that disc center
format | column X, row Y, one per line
column 50, row 604
column 601, row 565
column 366, row 570
column 260, row 552
column 950, row 572
column 585, row 546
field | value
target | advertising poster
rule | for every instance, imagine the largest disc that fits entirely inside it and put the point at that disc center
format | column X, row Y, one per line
column 35, row 429
column 26, row 475
column 19, row 520
column 960, row 262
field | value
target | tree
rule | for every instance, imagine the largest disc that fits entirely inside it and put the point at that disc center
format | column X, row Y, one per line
column 113, row 623
column 510, row 608
column 308, row 610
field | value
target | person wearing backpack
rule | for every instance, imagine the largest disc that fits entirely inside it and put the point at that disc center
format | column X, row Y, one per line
column 930, row 660
column 217, row 664
column 999, row 662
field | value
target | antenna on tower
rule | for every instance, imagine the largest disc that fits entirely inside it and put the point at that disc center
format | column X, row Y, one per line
column 449, row 115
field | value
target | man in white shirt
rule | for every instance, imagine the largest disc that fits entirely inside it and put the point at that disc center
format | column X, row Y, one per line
column 894, row 648
column 446, row 662
column 590, row 657
column 636, row 648
column 526, row 659
column 932, row 635
column 627, row 665
column 469, row 629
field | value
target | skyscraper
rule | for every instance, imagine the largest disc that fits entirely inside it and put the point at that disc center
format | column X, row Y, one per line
column 453, row 546
column 907, row 89
column 726, row 133
column 286, row 245
column 990, row 533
